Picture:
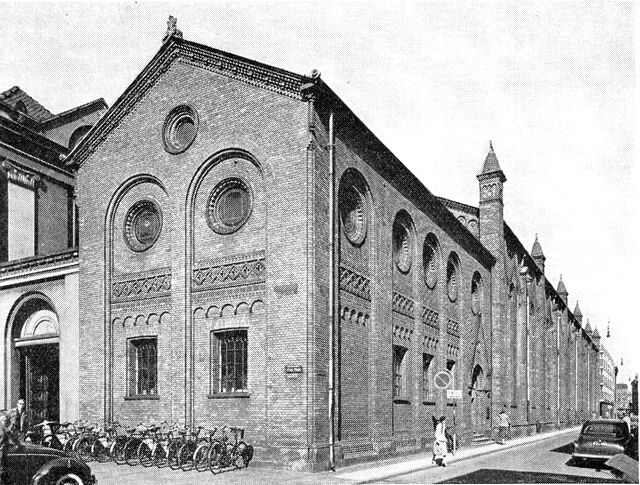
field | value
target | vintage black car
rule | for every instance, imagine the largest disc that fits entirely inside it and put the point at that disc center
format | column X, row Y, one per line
column 601, row 439
column 29, row 464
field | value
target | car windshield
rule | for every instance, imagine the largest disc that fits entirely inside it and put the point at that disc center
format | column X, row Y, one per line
column 609, row 429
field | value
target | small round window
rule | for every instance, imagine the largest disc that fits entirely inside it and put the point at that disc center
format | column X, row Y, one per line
column 353, row 214
column 180, row 129
column 143, row 224
column 229, row 206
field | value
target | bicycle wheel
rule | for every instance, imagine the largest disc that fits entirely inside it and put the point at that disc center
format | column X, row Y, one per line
column 201, row 457
column 117, row 450
column 172, row 455
column 131, row 451
column 159, row 455
column 82, row 447
column 100, row 452
column 215, row 454
column 240, row 455
column 185, row 457
column 145, row 458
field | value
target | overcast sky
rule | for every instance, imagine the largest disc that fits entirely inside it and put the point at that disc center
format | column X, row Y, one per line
column 552, row 84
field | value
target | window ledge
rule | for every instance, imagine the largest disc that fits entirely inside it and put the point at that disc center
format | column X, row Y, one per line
column 229, row 395
column 401, row 400
column 142, row 397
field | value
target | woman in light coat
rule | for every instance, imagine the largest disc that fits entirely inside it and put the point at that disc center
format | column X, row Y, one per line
column 440, row 442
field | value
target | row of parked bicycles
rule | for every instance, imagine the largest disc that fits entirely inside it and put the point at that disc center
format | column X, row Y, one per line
column 160, row 445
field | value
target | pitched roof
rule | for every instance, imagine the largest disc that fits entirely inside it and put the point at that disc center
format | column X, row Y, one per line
column 491, row 164
column 34, row 109
column 536, row 251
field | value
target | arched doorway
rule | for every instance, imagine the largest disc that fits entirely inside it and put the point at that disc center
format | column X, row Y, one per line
column 35, row 358
column 478, row 398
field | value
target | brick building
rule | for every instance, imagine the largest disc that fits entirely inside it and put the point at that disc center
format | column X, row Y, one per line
column 252, row 254
column 38, row 254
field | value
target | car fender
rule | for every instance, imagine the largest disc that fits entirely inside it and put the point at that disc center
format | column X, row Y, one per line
column 60, row 465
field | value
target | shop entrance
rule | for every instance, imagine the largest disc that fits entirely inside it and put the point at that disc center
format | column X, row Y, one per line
column 39, row 374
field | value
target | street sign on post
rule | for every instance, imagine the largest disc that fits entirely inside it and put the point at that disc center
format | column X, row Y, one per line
column 454, row 393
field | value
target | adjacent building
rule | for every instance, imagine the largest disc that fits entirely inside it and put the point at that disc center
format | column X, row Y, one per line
column 38, row 254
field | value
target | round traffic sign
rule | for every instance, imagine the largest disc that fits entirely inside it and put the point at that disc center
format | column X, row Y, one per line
column 443, row 379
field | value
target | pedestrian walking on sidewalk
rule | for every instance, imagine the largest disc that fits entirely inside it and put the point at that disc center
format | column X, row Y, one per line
column 440, row 442
column 503, row 426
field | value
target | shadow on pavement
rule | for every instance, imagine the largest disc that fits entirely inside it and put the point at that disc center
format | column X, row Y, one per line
column 566, row 449
column 509, row 476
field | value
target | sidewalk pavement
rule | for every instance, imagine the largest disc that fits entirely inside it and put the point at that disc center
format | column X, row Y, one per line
column 112, row 474
column 422, row 461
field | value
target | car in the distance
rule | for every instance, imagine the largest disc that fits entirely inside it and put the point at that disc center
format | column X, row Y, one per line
column 601, row 439
column 30, row 464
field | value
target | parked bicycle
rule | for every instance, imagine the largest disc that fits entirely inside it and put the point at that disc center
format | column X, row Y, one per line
column 225, row 454
column 201, row 455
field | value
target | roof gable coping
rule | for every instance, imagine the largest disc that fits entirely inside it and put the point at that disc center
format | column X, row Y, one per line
column 173, row 49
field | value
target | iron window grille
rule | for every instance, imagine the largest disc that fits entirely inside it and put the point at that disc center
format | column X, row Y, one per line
column 230, row 361
column 143, row 366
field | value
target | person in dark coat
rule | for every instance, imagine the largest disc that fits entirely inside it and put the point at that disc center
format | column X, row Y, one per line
column 4, row 446
column 19, row 419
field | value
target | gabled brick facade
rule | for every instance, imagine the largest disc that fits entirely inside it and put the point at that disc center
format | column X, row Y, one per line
column 421, row 284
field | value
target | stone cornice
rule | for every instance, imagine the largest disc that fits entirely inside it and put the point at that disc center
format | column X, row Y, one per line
column 19, row 175
column 38, row 263
column 230, row 65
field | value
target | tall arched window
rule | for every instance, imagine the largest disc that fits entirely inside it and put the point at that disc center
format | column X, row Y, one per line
column 430, row 260
column 403, row 241
column 476, row 293
column 453, row 276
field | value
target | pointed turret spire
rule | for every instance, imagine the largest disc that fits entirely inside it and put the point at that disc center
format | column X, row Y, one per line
column 562, row 291
column 537, row 254
column 596, row 334
column 491, row 164
column 577, row 313
column 588, row 328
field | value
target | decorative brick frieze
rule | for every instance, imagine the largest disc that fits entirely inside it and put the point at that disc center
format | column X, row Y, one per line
column 453, row 327
column 430, row 317
column 453, row 351
column 403, row 305
column 355, row 283
column 354, row 316
column 140, row 286
column 430, row 343
column 229, row 274
column 402, row 333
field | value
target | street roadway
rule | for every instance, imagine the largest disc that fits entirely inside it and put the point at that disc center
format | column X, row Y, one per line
column 546, row 461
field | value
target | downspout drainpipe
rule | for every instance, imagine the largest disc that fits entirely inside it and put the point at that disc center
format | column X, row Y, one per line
column 576, row 373
column 332, row 296
column 589, row 400
column 558, row 368
column 527, row 353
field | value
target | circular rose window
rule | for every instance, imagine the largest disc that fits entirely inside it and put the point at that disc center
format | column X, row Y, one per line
column 143, row 224
column 353, row 214
column 229, row 206
column 180, row 129
column 402, row 247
